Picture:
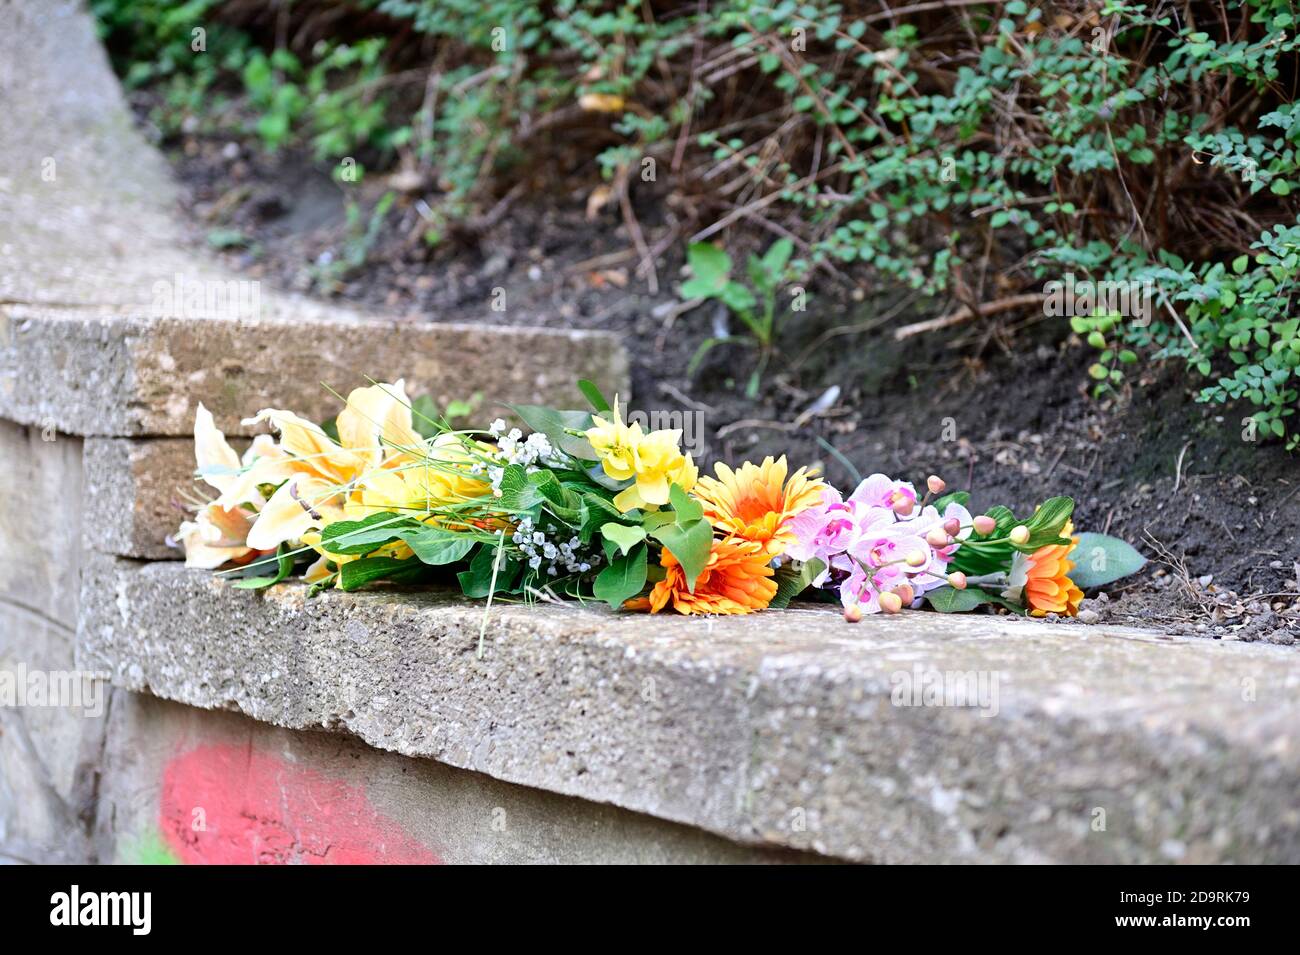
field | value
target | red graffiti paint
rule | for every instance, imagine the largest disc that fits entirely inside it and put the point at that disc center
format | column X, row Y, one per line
column 231, row 805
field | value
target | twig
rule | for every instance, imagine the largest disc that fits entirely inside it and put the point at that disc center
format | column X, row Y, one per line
column 492, row 588
column 1178, row 467
column 638, row 239
column 965, row 314
column 857, row 329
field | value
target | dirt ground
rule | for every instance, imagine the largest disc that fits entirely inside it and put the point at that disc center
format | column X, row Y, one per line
column 1002, row 409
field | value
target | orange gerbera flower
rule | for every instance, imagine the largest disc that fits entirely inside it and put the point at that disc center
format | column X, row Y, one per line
column 737, row 579
column 757, row 502
column 1041, row 580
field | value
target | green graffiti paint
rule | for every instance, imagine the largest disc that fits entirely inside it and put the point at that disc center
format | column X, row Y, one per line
column 148, row 849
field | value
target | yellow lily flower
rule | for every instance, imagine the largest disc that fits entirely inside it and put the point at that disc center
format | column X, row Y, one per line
column 219, row 532
column 440, row 477
column 374, row 431
column 659, row 465
column 216, row 536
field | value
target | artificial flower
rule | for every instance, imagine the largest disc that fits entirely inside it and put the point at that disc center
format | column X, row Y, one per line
column 237, row 479
column 217, row 536
column 880, row 490
column 327, row 564
column 319, row 472
column 934, row 572
column 440, row 477
column 737, row 579
column 881, row 562
column 615, row 444
column 757, row 502
column 1040, row 581
column 653, row 461
column 219, row 532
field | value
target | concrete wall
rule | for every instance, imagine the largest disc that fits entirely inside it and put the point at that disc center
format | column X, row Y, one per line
column 49, row 748
column 186, row 785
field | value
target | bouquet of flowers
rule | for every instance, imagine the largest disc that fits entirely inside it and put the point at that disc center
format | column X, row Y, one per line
column 589, row 507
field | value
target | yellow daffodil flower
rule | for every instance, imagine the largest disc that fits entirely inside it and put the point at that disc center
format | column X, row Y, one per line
column 615, row 444
column 654, row 460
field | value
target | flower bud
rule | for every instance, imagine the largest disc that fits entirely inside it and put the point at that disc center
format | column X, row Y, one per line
column 1019, row 534
column 937, row 537
column 957, row 580
column 916, row 559
column 852, row 614
column 935, row 484
column 984, row 525
column 903, row 506
column 890, row 602
column 905, row 594
column 952, row 527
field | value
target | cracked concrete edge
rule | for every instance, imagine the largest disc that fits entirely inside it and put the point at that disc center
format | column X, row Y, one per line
column 778, row 729
column 138, row 492
column 100, row 375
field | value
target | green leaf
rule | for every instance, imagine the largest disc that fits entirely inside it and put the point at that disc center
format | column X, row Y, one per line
column 357, row 573
column 425, row 417
column 947, row 599
column 622, row 535
column 622, row 579
column 777, row 257
column 476, row 582
column 556, row 424
column 738, row 298
column 284, row 567
column 698, row 288
column 685, row 507
column 436, row 546
column 1100, row 559
column 592, row 393
column 710, row 266
column 792, row 581
column 1046, row 523
column 953, row 497
column 365, row 535
column 597, row 511
column 691, row 542
column 521, row 491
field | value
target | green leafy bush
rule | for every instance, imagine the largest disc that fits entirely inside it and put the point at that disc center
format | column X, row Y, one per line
column 971, row 152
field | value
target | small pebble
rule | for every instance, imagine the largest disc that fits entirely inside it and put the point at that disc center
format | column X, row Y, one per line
column 1089, row 616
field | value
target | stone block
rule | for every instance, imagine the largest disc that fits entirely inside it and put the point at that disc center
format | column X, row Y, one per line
column 791, row 729
column 101, row 375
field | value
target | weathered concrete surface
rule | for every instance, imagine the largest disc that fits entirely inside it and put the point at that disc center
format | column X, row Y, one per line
column 47, row 749
column 97, row 333
column 215, row 787
column 97, row 375
column 776, row 729
column 84, row 202
column 140, row 490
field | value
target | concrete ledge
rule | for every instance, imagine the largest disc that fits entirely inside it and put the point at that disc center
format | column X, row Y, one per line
column 1107, row 745
column 93, row 373
column 139, row 490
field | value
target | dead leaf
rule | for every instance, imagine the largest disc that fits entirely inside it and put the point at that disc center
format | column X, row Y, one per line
column 601, row 102
column 597, row 200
